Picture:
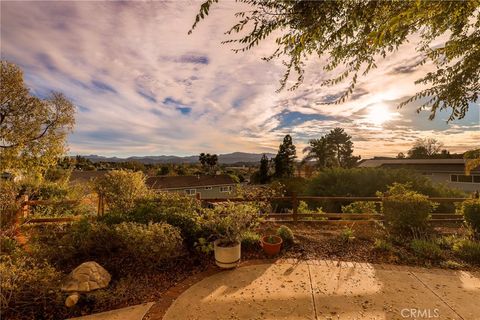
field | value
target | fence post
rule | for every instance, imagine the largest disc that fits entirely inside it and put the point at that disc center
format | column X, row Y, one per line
column 24, row 208
column 101, row 205
column 295, row 206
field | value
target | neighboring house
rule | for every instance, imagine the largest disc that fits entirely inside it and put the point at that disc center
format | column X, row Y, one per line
column 206, row 187
column 85, row 176
column 447, row 171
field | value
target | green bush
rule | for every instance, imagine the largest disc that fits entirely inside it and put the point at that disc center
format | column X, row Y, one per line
column 177, row 210
column 471, row 212
column 359, row 207
column 468, row 250
column 406, row 212
column 29, row 289
column 365, row 182
column 347, row 235
column 382, row 245
column 8, row 204
column 149, row 244
column 230, row 221
column 121, row 189
column 128, row 242
column 426, row 249
column 286, row 234
column 250, row 240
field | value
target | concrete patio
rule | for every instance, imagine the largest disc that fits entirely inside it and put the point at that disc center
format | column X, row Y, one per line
column 316, row 289
column 330, row 290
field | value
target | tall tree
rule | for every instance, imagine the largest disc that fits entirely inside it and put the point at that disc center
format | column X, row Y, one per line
column 320, row 151
column 32, row 131
column 425, row 148
column 285, row 159
column 353, row 35
column 208, row 162
column 342, row 147
column 263, row 172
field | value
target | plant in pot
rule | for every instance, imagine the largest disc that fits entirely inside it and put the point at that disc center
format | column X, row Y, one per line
column 271, row 244
column 228, row 223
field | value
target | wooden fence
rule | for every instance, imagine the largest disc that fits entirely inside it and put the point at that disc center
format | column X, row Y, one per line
column 292, row 216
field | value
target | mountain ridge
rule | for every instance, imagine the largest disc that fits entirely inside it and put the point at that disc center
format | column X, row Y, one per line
column 226, row 158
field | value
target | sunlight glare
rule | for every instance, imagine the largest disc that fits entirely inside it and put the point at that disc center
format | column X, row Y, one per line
column 379, row 115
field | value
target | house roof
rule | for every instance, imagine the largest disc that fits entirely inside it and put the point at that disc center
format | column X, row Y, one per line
column 379, row 163
column 174, row 182
column 426, row 165
column 85, row 176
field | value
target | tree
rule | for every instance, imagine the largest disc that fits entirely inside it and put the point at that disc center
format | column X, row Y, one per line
column 425, row 148
column 32, row 131
column 352, row 36
column 320, row 151
column 208, row 162
column 332, row 150
column 263, row 172
column 342, row 147
column 472, row 160
column 285, row 159
column 400, row 155
column 121, row 189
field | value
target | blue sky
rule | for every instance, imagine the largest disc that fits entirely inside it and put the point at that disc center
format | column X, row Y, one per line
column 142, row 86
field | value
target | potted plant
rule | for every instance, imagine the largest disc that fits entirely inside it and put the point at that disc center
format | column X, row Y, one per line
column 228, row 223
column 271, row 244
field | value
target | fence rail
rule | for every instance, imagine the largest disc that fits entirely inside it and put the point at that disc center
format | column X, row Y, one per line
column 293, row 216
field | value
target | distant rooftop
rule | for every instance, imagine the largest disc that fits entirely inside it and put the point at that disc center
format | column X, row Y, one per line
column 174, row 182
column 379, row 163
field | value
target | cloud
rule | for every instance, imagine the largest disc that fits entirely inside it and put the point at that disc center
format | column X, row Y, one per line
column 143, row 86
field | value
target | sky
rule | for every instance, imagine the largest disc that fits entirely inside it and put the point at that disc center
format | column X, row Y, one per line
column 143, row 86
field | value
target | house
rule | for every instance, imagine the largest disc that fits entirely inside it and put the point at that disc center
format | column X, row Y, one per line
column 203, row 186
column 80, row 177
column 447, row 171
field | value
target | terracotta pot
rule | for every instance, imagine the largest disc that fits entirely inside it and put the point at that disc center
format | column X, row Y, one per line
column 227, row 257
column 271, row 249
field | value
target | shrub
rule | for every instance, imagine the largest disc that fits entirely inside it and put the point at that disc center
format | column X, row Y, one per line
column 177, row 210
column 286, row 234
column 450, row 264
column 365, row 182
column 250, row 240
column 382, row 245
column 114, row 247
column 347, row 235
column 149, row 244
column 468, row 250
column 406, row 212
column 359, row 207
column 426, row 249
column 228, row 222
column 29, row 290
column 121, row 189
column 471, row 212
column 8, row 204
column 447, row 242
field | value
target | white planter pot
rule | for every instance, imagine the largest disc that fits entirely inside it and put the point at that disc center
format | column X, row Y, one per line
column 227, row 257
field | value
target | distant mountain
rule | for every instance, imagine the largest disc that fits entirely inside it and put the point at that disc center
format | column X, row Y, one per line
column 228, row 158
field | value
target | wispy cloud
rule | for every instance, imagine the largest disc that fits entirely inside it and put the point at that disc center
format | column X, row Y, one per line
column 143, row 86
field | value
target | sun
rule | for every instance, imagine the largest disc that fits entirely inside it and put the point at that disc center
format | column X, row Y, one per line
column 378, row 115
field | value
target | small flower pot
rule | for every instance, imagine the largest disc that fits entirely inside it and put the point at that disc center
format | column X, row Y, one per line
column 226, row 257
column 270, row 248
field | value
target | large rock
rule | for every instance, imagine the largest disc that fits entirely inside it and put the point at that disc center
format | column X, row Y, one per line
column 86, row 277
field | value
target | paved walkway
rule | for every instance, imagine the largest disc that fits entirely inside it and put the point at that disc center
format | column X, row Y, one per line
column 330, row 290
